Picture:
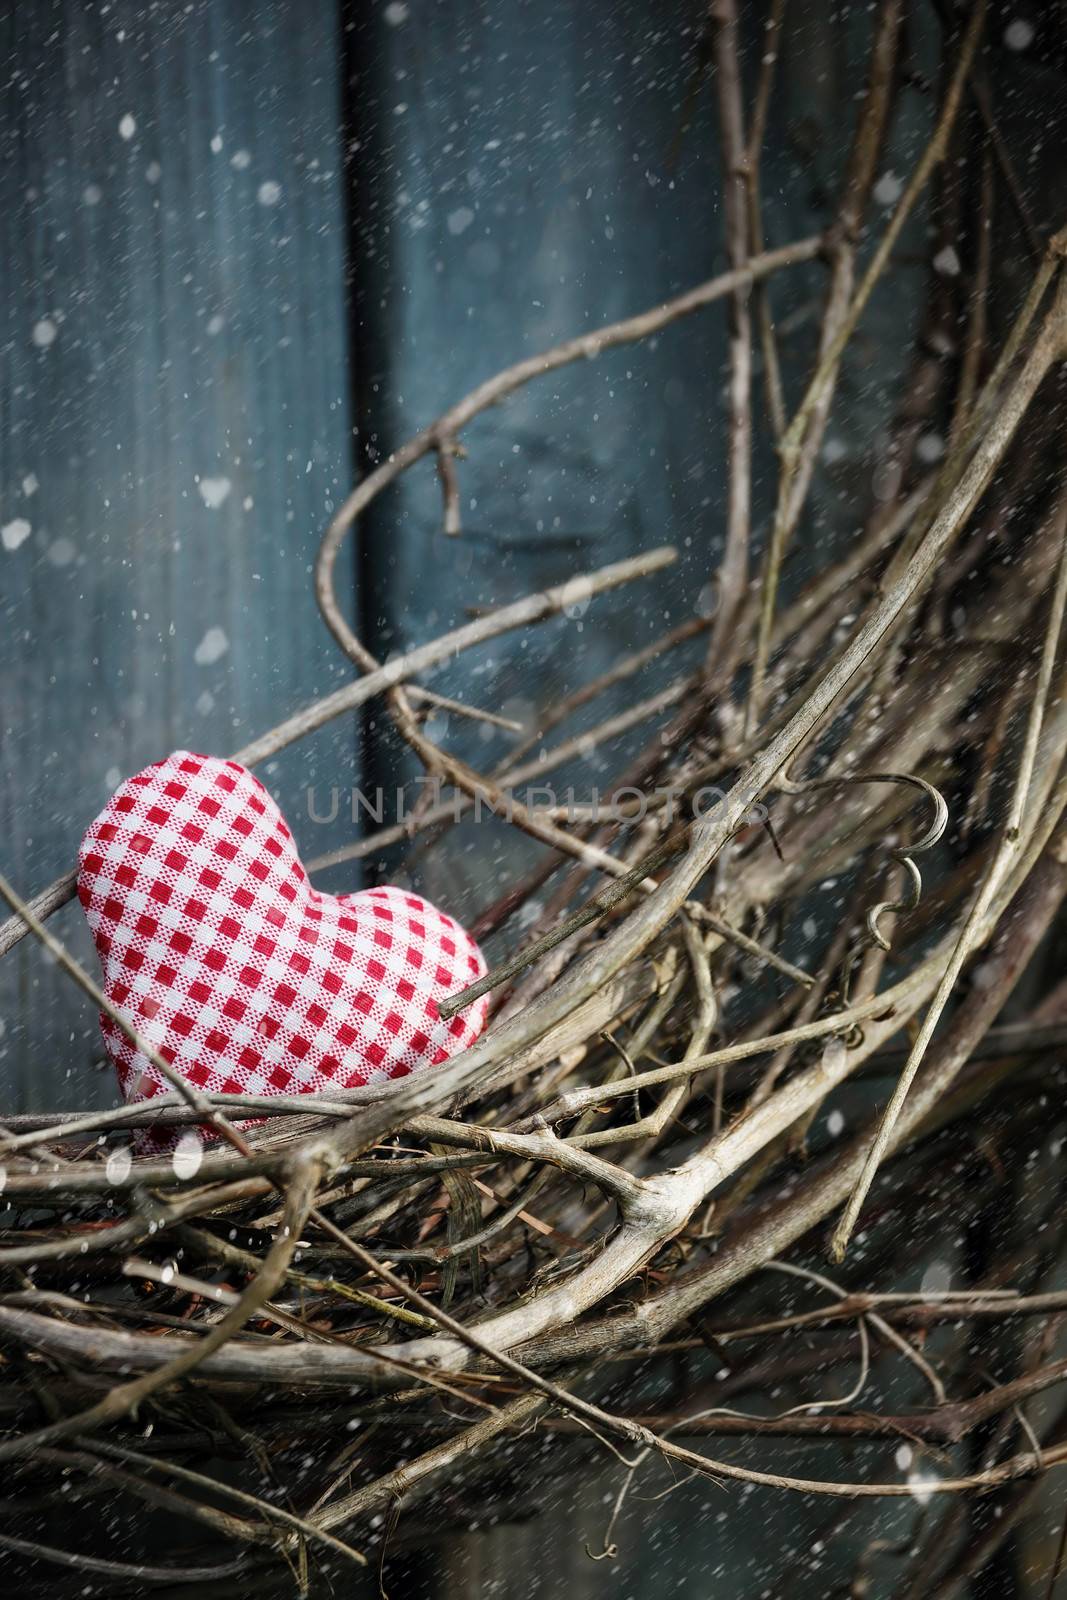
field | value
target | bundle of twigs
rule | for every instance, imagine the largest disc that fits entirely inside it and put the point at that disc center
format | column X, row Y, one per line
column 447, row 1262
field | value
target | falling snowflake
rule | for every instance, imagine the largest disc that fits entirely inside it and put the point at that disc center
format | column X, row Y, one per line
column 1019, row 34
column 188, row 1154
column 212, row 647
column 923, row 1486
column 937, row 1278
column 12, row 534
column 119, row 1164
column 61, row 552
column 930, row 448
column 888, row 189
column 576, row 597
column 213, row 491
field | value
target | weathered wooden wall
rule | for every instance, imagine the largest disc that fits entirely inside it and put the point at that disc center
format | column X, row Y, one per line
column 174, row 428
column 525, row 173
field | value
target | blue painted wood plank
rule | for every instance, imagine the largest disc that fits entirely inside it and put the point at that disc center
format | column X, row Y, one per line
column 174, row 430
column 529, row 173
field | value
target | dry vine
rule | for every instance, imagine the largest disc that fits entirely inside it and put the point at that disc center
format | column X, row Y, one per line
column 483, row 1249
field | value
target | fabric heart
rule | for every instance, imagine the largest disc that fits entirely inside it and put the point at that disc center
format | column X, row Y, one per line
column 246, row 979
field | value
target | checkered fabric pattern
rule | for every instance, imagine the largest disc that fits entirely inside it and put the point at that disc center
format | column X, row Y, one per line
column 242, row 976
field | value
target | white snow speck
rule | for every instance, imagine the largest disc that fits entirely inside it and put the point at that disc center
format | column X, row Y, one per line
column 30, row 485
column 212, row 647
column 12, row 534
column 984, row 976
column 930, row 448
column 888, row 189
column 205, row 703
column 947, row 262
column 460, row 220
column 44, row 333
column 119, row 1164
column 922, row 1485
column 1019, row 34
column 269, row 193
column 188, row 1154
column 112, row 778
column 153, row 172
column 835, row 1124
column 903, row 1456
column 127, row 127
column 396, row 13
column 92, row 194
column 240, row 160
column 937, row 1278
column 216, row 325
column 216, row 144
column 61, row 552
column 213, row 491
column 576, row 597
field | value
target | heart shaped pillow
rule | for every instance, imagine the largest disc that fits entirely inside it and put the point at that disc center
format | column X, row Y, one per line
column 243, row 977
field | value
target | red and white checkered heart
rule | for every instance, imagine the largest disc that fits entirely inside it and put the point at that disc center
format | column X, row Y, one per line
column 242, row 976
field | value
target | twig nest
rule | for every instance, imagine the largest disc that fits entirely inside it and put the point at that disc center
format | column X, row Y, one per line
column 228, row 963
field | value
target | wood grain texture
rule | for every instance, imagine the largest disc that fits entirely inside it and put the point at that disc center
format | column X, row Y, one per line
column 175, row 430
column 520, row 177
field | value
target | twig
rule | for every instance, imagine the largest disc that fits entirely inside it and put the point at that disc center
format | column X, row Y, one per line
column 994, row 877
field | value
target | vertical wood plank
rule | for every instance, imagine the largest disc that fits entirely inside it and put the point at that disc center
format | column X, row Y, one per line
column 174, row 429
column 523, row 176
